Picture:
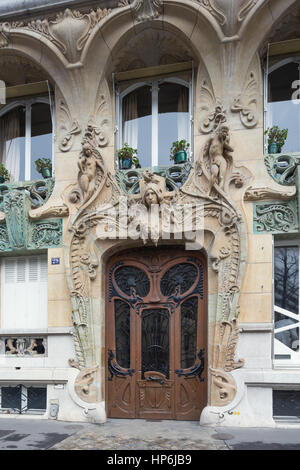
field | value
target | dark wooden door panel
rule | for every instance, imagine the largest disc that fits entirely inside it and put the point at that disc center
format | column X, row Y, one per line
column 156, row 324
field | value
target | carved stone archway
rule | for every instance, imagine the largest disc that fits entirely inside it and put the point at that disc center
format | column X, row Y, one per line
column 100, row 216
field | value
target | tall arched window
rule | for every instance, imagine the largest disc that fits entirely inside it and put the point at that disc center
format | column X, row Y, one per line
column 282, row 111
column 25, row 136
column 152, row 115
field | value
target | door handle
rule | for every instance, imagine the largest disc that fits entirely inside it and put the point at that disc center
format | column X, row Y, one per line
column 155, row 379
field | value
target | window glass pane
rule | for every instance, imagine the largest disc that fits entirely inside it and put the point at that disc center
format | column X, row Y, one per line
column 282, row 111
column 137, row 123
column 12, row 143
column 288, row 337
column 287, row 278
column 173, row 118
column 122, row 332
column 189, row 313
column 41, row 136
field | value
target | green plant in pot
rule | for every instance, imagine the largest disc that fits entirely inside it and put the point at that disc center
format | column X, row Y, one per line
column 128, row 157
column 4, row 174
column 178, row 152
column 276, row 138
column 44, row 167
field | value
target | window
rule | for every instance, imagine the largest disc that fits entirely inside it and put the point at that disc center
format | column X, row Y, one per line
column 25, row 136
column 281, row 111
column 21, row 399
column 24, row 292
column 152, row 115
column 286, row 304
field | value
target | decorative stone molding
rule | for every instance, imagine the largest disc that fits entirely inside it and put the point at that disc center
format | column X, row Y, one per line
column 246, row 103
column 144, row 10
column 67, row 127
column 260, row 193
column 3, row 35
column 68, row 32
column 275, row 217
column 212, row 112
column 229, row 14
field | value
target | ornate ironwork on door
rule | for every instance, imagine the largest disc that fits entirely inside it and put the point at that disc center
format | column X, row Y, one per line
column 155, row 326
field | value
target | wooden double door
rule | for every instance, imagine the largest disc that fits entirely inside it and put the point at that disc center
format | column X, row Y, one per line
column 156, row 334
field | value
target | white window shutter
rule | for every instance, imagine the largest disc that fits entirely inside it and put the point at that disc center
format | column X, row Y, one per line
column 24, row 292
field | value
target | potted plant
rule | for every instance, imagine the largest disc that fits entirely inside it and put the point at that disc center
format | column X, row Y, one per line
column 276, row 138
column 178, row 152
column 128, row 157
column 44, row 166
column 4, row 174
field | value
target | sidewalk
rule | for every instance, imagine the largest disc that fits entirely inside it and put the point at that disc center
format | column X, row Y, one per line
column 135, row 435
column 117, row 434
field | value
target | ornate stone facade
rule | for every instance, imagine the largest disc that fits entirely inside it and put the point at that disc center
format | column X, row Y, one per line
column 241, row 192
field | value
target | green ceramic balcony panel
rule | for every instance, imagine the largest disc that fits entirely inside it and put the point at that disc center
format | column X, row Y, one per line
column 176, row 176
column 17, row 232
column 275, row 217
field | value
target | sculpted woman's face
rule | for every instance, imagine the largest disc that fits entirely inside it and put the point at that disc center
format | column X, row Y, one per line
column 151, row 197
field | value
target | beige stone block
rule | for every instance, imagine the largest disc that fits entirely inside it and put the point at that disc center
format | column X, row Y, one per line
column 247, row 144
column 57, row 287
column 248, row 216
column 59, row 313
column 258, row 278
column 66, row 168
column 260, row 248
column 255, row 308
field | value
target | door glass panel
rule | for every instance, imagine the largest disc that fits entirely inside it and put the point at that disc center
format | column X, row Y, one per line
column 281, row 109
column 131, row 280
column 122, row 332
column 189, row 313
column 137, row 123
column 173, row 118
column 41, row 136
column 155, row 341
column 178, row 278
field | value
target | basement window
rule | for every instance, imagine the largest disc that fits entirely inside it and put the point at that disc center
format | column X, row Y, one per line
column 21, row 399
column 286, row 404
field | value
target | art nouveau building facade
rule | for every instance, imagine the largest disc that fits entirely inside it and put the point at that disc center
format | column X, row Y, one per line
column 166, row 291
